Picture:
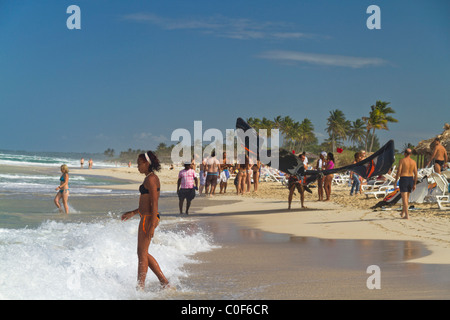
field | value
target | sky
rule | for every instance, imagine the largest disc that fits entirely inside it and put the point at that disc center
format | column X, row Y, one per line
column 138, row 70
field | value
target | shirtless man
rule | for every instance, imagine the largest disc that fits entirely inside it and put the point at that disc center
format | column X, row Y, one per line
column 212, row 173
column 407, row 173
column 439, row 156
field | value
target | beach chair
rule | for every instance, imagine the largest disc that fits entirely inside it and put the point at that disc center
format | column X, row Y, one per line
column 382, row 191
column 425, row 172
column 341, row 179
column 375, row 185
column 443, row 197
column 277, row 176
column 270, row 174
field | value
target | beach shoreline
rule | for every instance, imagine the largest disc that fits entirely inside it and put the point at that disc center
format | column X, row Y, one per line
column 322, row 252
column 341, row 218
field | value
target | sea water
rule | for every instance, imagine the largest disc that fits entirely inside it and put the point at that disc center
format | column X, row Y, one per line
column 90, row 253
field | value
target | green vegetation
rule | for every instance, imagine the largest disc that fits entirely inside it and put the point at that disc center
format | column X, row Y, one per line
column 359, row 134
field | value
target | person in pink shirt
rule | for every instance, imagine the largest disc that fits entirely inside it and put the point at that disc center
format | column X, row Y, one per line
column 329, row 177
column 185, row 186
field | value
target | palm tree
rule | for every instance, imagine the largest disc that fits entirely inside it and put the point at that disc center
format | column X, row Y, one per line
column 109, row 152
column 284, row 124
column 306, row 133
column 254, row 122
column 277, row 122
column 378, row 119
column 338, row 126
column 292, row 133
column 357, row 132
column 373, row 122
column 268, row 125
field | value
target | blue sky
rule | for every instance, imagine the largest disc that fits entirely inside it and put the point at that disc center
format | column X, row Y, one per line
column 137, row 70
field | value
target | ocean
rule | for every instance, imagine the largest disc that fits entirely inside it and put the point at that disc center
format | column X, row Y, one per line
column 90, row 253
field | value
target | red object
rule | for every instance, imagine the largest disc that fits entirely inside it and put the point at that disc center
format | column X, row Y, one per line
column 339, row 150
column 293, row 151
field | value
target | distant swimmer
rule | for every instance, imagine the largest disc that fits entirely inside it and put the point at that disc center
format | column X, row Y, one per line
column 407, row 177
column 147, row 164
column 63, row 189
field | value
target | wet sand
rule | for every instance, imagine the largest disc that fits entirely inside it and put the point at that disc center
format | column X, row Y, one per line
column 256, row 264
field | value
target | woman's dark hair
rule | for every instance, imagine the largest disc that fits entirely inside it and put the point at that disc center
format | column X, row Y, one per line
column 155, row 165
column 331, row 156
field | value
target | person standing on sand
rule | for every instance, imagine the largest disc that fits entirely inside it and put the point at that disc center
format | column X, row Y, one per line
column 185, row 186
column 439, row 156
column 147, row 164
column 212, row 173
column 202, row 176
column 224, row 174
column 241, row 177
column 407, row 177
column 328, row 179
column 320, row 165
column 256, row 168
column 354, row 177
column 63, row 189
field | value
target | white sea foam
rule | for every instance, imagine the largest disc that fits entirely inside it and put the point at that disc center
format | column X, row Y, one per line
column 45, row 184
column 96, row 260
column 14, row 176
column 45, row 159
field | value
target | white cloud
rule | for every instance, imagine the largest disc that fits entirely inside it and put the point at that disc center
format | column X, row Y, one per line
column 234, row 28
column 323, row 59
column 150, row 137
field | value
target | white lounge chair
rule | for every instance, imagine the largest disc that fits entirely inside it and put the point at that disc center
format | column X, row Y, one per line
column 269, row 174
column 381, row 191
column 341, row 179
column 425, row 172
column 377, row 184
column 442, row 184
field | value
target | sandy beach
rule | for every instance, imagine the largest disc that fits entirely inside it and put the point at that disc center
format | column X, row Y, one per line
column 422, row 242
column 344, row 217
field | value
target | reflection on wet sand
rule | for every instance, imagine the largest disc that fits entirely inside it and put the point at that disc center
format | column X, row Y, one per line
column 267, row 265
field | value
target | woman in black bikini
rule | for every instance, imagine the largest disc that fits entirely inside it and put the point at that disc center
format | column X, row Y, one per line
column 148, row 210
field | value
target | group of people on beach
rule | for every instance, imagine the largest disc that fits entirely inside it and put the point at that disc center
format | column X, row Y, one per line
column 407, row 172
column 211, row 170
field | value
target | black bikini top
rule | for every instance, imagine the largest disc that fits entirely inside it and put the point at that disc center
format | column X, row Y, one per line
column 144, row 190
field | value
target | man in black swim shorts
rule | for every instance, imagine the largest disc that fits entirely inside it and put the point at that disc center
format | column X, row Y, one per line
column 406, row 184
column 439, row 156
column 407, row 173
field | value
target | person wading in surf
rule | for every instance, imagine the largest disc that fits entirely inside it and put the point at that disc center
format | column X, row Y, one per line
column 147, row 163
